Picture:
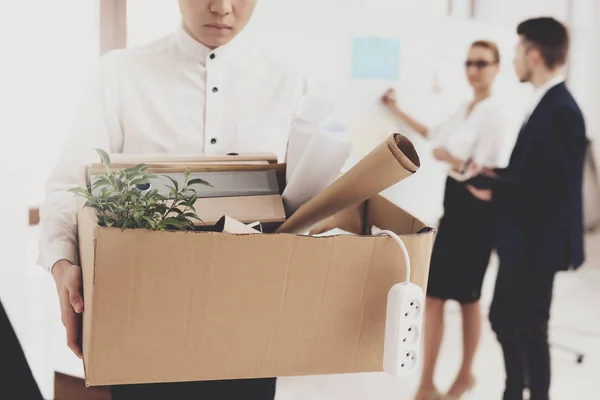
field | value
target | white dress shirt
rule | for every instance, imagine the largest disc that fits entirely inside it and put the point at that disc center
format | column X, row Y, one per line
column 478, row 135
column 173, row 95
column 539, row 93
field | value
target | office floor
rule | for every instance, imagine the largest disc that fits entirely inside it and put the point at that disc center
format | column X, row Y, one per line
column 575, row 322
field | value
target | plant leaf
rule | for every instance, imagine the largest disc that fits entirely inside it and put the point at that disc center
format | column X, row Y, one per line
column 171, row 188
column 104, row 156
column 150, row 222
column 171, row 222
column 175, row 184
column 101, row 180
column 177, row 211
column 190, row 225
column 199, row 181
column 80, row 192
column 137, row 217
column 191, row 201
column 139, row 181
column 192, row 215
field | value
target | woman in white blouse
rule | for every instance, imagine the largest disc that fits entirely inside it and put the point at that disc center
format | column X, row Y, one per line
column 466, row 232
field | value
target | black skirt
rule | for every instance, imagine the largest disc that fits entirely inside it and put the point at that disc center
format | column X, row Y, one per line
column 463, row 245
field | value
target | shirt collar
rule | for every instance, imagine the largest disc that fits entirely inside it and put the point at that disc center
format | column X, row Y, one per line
column 198, row 51
column 539, row 92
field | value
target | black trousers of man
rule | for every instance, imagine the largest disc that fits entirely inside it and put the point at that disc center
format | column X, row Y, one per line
column 519, row 315
column 16, row 377
column 251, row 389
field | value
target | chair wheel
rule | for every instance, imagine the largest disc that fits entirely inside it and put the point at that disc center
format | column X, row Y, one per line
column 580, row 359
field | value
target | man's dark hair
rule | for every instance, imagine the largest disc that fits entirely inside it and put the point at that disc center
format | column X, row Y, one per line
column 549, row 37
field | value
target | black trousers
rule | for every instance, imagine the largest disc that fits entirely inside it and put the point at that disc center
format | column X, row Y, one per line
column 519, row 315
column 16, row 377
column 251, row 389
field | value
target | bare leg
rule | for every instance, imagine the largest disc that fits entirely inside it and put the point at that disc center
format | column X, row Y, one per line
column 433, row 333
column 471, row 314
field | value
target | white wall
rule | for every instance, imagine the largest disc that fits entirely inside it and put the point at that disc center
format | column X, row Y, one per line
column 585, row 84
column 514, row 11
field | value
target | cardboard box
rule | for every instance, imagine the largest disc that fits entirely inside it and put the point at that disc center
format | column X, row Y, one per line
column 192, row 306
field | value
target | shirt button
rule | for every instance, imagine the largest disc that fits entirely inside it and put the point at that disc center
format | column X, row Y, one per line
column 215, row 89
column 212, row 56
column 213, row 141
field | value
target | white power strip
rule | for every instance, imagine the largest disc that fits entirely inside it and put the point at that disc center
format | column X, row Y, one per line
column 404, row 320
column 403, row 329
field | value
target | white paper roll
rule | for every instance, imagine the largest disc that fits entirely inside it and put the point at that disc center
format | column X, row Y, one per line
column 319, row 166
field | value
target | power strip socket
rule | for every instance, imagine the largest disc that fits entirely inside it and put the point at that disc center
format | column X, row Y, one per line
column 403, row 329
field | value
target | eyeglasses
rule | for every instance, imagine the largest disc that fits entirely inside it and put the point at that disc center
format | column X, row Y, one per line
column 480, row 64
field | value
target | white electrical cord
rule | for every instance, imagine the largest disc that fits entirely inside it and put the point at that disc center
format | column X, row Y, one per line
column 402, row 246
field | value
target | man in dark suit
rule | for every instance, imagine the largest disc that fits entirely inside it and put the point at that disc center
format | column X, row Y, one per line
column 539, row 202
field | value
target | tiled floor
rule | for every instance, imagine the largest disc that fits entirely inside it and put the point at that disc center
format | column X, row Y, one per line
column 575, row 322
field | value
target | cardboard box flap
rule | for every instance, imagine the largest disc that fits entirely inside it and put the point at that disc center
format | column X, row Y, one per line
column 388, row 216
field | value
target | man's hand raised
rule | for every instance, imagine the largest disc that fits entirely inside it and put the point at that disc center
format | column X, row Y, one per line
column 69, row 286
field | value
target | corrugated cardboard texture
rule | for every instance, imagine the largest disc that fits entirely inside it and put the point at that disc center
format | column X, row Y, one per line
column 177, row 306
column 87, row 253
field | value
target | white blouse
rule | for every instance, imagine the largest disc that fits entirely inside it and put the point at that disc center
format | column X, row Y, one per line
column 479, row 135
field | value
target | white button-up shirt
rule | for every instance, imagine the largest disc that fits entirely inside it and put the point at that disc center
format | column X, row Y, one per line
column 173, row 95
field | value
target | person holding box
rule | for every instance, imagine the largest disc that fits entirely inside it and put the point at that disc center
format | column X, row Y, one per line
column 466, row 233
column 201, row 89
column 539, row 201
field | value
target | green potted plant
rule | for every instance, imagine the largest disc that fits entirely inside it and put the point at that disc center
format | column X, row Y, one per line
column 124, row 202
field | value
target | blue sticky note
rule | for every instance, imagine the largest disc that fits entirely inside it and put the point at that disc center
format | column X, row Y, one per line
column 375, row 58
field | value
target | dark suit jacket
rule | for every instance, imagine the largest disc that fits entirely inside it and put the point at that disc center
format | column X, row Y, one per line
column 541, row 212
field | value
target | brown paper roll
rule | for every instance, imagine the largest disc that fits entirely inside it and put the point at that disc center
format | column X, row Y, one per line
column 392, row 161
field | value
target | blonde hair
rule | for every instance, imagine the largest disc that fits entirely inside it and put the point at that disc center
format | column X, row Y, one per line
column 488, row 44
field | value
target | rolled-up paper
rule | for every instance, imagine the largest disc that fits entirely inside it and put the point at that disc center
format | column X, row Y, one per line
column 392, row 161
column 312, row 111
